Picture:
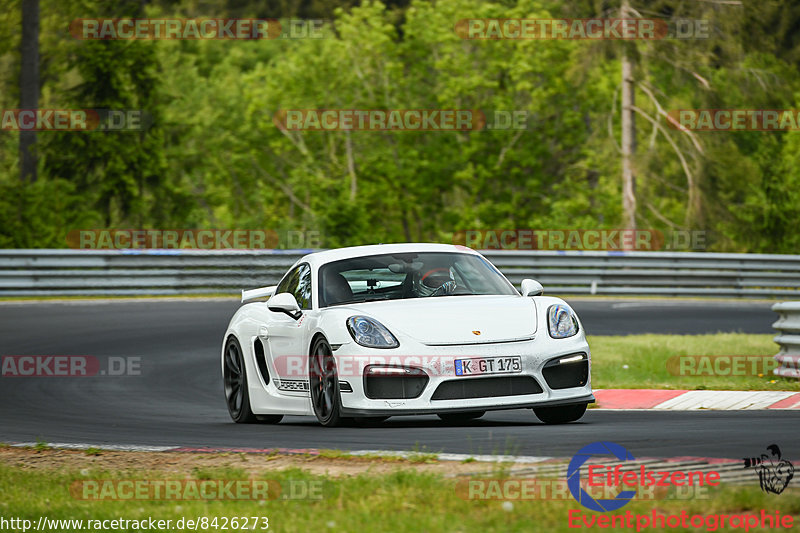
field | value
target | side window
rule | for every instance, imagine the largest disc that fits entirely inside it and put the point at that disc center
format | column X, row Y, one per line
column 302, row 292
column 289, row 282
column 298, row 282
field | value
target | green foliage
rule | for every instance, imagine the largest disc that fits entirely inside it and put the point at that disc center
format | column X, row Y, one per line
column 214, row 158
column 35, row 215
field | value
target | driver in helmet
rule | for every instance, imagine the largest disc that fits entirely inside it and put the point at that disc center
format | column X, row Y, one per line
column 437, row 282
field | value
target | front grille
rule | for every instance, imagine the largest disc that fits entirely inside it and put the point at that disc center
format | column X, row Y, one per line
column 567, row 375
column 462, row 389
column 406, row 386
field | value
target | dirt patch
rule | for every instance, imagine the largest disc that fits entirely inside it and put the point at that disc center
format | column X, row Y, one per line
column 181, row 463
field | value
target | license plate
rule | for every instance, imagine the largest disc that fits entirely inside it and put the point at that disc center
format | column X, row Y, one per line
column 488, row 365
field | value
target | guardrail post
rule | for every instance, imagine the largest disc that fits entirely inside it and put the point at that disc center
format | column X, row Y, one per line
column 788, row 338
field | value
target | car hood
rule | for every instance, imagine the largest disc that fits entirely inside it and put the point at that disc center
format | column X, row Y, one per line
column 456, row 320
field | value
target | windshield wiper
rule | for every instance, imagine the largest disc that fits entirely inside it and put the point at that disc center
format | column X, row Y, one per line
column 361, row 301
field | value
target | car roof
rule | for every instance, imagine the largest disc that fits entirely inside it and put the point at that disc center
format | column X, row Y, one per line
column 317, row 259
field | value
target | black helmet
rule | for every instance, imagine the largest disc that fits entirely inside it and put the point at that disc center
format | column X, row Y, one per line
column 437, row 280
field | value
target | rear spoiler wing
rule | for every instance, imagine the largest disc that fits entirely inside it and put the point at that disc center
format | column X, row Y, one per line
column 255, row 294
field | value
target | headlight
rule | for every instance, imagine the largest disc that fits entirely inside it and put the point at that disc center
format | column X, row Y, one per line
column 370, row 333
column 561, row 322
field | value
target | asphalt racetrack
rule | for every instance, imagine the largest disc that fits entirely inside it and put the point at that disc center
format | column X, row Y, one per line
column 178, row 400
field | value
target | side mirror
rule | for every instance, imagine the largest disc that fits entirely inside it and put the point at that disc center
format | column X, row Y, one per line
column 531, row 287
column 285, row 303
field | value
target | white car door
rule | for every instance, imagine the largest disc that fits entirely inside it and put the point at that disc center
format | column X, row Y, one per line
column 287, row 338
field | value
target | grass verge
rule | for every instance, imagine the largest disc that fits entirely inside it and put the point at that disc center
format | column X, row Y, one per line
column 403, row 500
column 641, row 362
column 414, row 457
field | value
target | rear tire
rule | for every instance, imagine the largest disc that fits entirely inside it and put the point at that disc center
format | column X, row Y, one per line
column 561, row 414
column 234, row 379
column 460, row 418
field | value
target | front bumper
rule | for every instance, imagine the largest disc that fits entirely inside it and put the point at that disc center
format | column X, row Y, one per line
column 438, row 364
column 376, row 411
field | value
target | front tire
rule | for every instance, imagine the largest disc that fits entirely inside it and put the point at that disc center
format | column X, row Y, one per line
column 234, row 378
column 324, row 384
column 561, row 414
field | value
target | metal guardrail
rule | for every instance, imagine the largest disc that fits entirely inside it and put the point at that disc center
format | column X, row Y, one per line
column 177, row 272
column 788, row 338
column 139, row 272
column 654, row 273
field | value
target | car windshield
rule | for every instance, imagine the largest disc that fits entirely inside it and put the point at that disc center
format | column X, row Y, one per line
column 408, row 275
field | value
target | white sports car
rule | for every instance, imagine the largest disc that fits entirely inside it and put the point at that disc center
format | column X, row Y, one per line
column 371, row 332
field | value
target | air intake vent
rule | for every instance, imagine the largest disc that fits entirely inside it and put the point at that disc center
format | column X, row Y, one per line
column 261, row 361
column 462, row 389
column 566, row 374
column 394, row 383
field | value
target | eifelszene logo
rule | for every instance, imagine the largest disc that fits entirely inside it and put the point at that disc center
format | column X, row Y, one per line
column 574, row 476
column 774, row 473
column 635, row 478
